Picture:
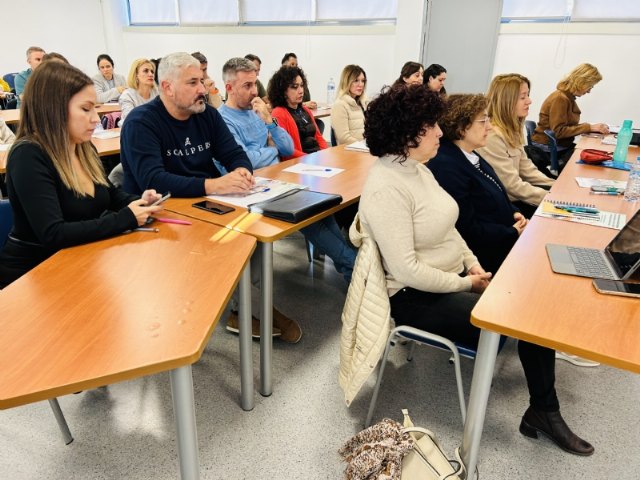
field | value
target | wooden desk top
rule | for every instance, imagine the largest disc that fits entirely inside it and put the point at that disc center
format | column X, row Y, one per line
column 321, row 112
column 527, row 300
column 117, row 309
column 349, row 184
column 13, row 116
column 109, row 146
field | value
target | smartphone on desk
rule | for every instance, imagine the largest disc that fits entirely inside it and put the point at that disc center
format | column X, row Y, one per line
column 617, row 287
column 214, row 207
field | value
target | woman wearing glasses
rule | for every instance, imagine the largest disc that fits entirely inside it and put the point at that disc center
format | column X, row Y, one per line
column 285, row 91
column 488, row 221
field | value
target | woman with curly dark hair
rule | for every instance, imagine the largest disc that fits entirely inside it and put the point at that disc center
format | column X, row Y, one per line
column 433, row 279
column 285, row 91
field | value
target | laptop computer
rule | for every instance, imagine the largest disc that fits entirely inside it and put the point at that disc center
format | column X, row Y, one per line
column 618, row 261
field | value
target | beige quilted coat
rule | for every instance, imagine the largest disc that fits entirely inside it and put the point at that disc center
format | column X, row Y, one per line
column 366, row 317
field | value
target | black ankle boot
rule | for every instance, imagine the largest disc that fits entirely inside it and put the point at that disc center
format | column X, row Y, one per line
column 553, row 426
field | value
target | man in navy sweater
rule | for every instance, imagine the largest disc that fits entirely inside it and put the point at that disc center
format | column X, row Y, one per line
column 171, row 143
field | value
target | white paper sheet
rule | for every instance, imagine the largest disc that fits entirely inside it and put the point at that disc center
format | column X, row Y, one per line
column 265, row 189
column 315, row 170
column 586, row 182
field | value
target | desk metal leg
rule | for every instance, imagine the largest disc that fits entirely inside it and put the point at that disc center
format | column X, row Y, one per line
column 62, row 422
column 478, row 399
column 244, row 325
column 185, row 415
column 266, row 322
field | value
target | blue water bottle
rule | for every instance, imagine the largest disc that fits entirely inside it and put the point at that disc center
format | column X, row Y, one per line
column 622, row 145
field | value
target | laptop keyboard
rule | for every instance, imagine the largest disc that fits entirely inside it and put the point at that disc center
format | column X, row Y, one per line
column 589, row 263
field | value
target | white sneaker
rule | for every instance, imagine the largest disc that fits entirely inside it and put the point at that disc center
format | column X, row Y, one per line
column 576, row 360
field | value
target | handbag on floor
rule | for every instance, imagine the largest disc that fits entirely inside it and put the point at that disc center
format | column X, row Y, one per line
column 427, row 460
column 389, row 451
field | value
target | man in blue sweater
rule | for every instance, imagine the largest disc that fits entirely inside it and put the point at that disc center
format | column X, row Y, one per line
column 250, row 122
column 34, row 58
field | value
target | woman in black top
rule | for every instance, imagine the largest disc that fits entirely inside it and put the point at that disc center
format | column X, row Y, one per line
column 59, row 194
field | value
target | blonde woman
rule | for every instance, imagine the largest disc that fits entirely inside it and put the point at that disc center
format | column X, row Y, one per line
column 142, row 86
column 347, row 113
column 508, row 108
column 57, row 188
column 560, row 112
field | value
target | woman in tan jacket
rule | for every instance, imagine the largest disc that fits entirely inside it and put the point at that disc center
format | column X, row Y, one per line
column 508, row 107
column 347, row 113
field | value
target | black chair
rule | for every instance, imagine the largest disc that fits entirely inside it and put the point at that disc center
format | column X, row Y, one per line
column 6, row 224
column 530, row 127
column 334, row 142
column 554, row 167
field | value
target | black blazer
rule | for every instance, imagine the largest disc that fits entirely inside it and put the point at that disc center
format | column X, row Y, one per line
column 486, row 214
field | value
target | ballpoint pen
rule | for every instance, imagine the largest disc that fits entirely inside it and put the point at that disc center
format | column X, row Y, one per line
column 616, row 193
column 316, row 170
column 569, row 208
column 146, row 229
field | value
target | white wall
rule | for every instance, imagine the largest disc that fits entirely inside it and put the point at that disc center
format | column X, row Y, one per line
column 545, row 53
column 70, row 27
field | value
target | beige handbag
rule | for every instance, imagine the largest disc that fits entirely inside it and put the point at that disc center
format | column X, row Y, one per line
column 427, row 461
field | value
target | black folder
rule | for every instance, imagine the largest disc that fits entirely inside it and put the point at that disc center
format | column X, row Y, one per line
column 296, row 205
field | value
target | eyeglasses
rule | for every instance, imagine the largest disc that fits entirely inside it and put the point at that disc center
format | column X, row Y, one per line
column 296, row 86
column 486, row 121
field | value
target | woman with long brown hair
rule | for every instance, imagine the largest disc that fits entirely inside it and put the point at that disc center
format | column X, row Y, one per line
column 58, row 191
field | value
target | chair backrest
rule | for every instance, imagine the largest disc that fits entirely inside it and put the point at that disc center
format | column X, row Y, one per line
column 553, row 152
column 6, row 221
column 10, row 79
column 334, row 142
column 529, row 126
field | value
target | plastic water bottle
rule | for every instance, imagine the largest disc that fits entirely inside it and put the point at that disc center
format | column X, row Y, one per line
column 331, row 92
column 622, row 145
column 632, row 192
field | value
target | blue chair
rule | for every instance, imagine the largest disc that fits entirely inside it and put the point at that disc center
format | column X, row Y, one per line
column 6, row 224
column 529, row 126
column 10, row 79
column 415, row 335
column 554, row 167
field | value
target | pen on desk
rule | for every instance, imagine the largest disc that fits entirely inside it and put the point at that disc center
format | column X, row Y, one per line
column 146, row 229
column 316, row 170
column 616, row 193
column 173, row 220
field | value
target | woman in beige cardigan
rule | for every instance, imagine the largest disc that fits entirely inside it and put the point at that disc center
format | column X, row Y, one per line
column 347, row 113
column 508, row 107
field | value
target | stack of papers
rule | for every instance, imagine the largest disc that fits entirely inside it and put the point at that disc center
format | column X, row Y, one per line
column 602, row 219
column 105, row 134
column 360, row 146
column 264, row 189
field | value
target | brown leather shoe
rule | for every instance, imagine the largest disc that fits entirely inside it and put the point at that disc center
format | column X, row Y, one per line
column 553, row 426
column 232, row 326
column 291, row 331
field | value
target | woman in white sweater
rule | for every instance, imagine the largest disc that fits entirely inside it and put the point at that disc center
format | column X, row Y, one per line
column 508, row 107
column 347, row 112
column 109, row 85
column 142, row 86
column 433, row 278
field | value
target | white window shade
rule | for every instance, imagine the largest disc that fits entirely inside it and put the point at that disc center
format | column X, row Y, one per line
column 157, row 12
column 277, row 11
column 352, row 10
column 208, row 12
column 602, row 10
column 536, row 9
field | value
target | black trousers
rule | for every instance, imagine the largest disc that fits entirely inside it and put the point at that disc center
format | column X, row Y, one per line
column 448, row 315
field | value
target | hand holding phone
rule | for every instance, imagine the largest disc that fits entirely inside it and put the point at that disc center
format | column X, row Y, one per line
column 160, row 200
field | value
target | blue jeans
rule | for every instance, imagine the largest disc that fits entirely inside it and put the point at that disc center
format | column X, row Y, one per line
column 327, row 237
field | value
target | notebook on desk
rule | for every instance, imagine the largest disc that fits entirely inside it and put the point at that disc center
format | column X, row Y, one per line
column 296, row 205
column 618, row 261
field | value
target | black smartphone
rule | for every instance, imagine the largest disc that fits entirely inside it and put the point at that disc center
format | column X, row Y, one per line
column 617, row 287
column 214, row 207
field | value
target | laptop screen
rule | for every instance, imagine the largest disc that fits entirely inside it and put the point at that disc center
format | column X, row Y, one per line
column 624, row 249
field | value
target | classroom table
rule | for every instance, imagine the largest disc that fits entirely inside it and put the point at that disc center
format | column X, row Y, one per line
column 321, row 111
column 106, row 146
column 13, row 116
column 118, row 309
column 526, row 298
column 348, row 184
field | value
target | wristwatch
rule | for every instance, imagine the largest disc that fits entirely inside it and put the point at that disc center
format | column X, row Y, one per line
column 273, row 124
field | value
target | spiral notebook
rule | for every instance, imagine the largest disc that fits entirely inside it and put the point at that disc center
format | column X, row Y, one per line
column 580, row 213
